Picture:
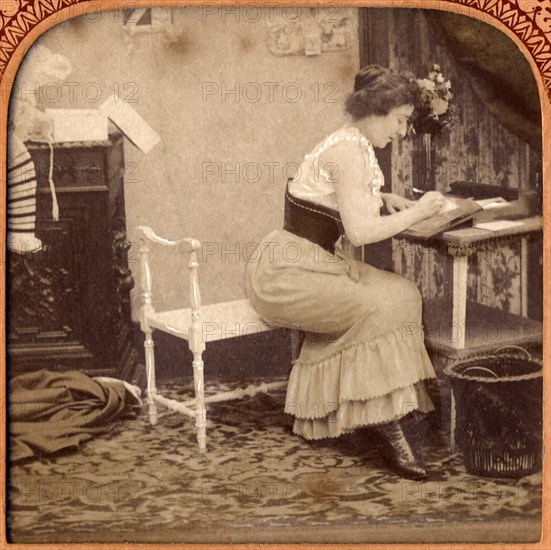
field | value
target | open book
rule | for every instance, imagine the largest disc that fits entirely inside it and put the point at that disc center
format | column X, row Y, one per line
column 455, row 212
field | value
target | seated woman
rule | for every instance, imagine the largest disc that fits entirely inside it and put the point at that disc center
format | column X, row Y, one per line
column 363, row 361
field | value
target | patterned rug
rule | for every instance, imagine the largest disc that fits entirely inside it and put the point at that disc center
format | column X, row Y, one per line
column 258, row 482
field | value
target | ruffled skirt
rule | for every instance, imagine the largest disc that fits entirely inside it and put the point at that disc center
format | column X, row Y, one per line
column 363, row 361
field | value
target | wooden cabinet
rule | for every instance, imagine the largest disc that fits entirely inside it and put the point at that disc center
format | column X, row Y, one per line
column 69, row 305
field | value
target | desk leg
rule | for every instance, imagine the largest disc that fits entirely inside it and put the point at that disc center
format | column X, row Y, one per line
column 459, row 311
column 524, row 277
column 459, row 323
column 452, row 421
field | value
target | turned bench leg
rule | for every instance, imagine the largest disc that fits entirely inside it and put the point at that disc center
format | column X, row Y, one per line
column 145, row 311
column 297, row 339
column 200, row 407
column 149, row 347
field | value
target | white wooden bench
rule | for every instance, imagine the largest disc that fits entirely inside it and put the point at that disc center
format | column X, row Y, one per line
column 198, row 325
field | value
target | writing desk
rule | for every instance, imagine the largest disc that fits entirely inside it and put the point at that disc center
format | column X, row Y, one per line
column 455, row 327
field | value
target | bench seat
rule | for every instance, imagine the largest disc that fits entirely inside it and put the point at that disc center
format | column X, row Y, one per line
column 219, row 321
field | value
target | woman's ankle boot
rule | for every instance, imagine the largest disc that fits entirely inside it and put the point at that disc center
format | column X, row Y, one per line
column 397, row 452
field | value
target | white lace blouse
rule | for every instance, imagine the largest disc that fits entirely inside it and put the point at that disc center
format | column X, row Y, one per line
column 316, row 183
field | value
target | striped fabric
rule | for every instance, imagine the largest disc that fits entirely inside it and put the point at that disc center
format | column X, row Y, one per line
column 21, row 200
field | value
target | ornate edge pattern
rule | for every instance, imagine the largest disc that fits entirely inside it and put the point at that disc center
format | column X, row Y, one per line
column 19, row 17
column 529, row 21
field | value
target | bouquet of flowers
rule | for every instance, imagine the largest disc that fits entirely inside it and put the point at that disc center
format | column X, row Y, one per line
column 433, row 110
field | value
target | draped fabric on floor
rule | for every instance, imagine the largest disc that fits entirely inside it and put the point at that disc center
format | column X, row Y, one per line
column 53, row 411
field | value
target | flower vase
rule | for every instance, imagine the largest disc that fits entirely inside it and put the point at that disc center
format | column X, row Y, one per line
column 429, row 161
column 424, row 161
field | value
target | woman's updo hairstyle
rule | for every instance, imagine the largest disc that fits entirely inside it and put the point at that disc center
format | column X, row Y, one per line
column 378, row 90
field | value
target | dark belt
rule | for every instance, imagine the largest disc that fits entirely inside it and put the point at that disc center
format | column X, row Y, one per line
column 318, row 224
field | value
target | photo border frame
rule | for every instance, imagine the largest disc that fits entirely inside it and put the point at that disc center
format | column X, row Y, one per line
column 526, row 22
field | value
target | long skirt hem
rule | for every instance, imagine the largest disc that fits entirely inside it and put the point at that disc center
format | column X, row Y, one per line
column 352, row 415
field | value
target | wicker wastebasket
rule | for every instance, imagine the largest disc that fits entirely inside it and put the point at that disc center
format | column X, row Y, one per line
column 498, row 413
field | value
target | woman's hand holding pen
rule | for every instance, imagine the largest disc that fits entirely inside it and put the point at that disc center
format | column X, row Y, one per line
column 430, row 204
column 395, row 203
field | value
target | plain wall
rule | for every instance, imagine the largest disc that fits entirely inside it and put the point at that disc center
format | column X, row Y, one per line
column 187, row 185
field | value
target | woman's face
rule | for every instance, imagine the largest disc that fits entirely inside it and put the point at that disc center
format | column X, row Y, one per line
column 380, row 130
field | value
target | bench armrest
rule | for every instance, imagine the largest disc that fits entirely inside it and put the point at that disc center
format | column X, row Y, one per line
column 152, row 236
column 147, row 308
